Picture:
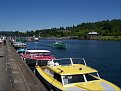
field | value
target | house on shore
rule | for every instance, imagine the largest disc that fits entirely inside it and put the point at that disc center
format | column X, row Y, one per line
column 92, row 35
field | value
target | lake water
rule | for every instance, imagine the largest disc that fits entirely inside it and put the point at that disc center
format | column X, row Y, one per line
column 105, row 56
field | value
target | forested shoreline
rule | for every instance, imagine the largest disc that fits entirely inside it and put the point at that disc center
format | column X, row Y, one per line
column 103, row 28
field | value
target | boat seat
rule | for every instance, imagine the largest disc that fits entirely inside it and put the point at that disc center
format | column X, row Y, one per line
column 50, row 63
column 56, row 64
column 65, row 81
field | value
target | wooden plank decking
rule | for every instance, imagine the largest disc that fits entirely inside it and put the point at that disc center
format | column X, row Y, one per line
column 15, row 75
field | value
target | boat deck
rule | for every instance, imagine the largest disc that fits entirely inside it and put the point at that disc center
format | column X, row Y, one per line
column 15, row 75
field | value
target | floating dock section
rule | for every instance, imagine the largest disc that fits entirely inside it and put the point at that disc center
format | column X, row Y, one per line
column 15, row 75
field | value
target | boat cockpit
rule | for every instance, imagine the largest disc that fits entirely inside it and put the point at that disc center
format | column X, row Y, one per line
column 59, row 69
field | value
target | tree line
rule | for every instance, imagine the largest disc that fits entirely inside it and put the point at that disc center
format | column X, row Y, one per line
column 104, row 28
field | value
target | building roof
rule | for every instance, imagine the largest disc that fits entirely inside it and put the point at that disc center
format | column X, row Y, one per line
column 95, row 33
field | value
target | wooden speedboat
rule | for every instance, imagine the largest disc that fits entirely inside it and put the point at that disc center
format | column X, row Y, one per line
column 70, row 75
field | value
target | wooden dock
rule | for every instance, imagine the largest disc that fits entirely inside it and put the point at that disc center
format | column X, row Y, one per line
column 15, row 75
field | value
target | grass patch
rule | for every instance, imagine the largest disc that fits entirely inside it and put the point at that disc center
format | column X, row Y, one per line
column 109, row 37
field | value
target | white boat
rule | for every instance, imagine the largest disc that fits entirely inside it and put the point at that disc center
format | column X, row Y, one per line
column 1, row 42
column 19, row 45
column 36, row 39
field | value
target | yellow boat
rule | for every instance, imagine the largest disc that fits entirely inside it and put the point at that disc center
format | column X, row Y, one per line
column 69, row 74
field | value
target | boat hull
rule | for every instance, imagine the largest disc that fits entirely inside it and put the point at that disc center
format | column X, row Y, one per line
column 58, row 46
column 30, row 62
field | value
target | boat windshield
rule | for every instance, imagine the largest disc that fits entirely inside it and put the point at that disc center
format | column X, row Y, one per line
column 62, row 61
column 69, row 61
column 79, row 61
column 42, row 62
column 68, row 79
column 40, row 54
column 46, row 53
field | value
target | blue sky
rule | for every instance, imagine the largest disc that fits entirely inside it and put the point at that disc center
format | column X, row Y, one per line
column 23, row 15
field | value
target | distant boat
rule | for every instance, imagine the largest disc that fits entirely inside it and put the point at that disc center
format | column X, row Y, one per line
column 21, row 50
column 36, row 39
column 59, row 45
column 20, row 40
column 29, row 39
column 32, row 39
column 18, row 45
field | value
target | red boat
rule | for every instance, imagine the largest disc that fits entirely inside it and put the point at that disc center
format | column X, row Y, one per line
column 34, row 57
